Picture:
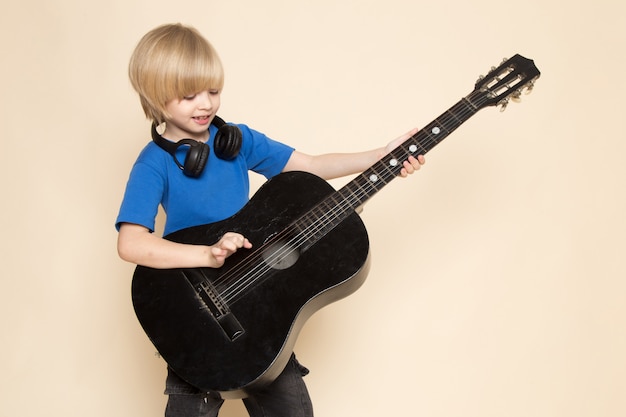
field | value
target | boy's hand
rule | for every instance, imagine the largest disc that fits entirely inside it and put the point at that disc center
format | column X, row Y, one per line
column 412, row 164
column 226, row 246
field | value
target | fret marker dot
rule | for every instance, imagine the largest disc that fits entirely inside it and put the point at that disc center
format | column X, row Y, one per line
column 393, row 162
column 373, row 178
column 436, row 130
column 413, row 148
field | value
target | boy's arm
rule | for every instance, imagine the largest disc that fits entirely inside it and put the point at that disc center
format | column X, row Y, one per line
column 137, row 245
column 335, row 165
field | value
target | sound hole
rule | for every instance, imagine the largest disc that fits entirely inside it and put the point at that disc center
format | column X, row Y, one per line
column 281, row 255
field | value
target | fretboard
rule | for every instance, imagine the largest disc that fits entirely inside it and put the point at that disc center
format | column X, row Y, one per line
column 332, row 210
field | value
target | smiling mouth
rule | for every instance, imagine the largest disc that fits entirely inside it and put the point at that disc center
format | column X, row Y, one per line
column 201, row 119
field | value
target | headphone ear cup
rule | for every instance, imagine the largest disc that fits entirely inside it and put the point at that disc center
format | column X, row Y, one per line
column 227, row 143
column 196, row 159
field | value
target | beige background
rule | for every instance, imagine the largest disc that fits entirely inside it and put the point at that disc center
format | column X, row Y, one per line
column 497, row 286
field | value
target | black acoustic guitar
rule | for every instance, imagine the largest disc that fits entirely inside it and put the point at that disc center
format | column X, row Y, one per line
column 232, row 329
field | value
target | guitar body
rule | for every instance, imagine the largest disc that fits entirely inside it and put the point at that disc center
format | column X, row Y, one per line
column 245, row 343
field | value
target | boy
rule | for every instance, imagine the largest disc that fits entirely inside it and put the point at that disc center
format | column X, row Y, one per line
column 179, row 77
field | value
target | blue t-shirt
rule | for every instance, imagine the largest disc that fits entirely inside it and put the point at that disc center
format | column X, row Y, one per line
column 219, row 192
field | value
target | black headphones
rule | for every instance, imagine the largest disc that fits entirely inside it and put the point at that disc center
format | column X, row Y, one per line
column 227, row 144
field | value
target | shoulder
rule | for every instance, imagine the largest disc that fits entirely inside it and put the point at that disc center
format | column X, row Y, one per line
column 152, row 155
column 152, row 162
column 262, row 154
column 150, row 151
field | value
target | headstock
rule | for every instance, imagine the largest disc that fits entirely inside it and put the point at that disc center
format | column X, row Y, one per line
column 506, row 82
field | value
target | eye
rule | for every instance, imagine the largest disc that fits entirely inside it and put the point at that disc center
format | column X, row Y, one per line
column 189, row 97
column 214, row 92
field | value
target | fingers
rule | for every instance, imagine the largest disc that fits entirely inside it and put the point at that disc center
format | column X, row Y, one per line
column 232, row 241
column 411, row 165
column 227, row 245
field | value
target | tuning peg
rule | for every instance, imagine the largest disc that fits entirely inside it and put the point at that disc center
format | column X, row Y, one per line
column 503, row 103
column 529, row 88
column 516, row 96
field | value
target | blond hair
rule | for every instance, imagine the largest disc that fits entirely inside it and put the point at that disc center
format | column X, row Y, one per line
column 172, row 61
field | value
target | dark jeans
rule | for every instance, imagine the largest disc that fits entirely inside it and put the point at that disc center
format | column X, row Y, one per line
column 287, row 396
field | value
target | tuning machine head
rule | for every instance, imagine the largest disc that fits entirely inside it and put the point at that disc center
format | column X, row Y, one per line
column 506, row 83
column 502, row 104
column 529, row 87
column 516, row 96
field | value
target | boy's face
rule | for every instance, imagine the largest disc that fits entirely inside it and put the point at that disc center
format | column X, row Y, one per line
column 190, row 116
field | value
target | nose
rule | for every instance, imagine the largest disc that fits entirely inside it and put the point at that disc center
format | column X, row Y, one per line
column 205, row 101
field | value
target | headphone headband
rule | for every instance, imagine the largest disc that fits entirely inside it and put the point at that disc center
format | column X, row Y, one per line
column 227, row 144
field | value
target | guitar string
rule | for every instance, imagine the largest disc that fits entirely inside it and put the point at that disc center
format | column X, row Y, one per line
column 480, row 104
column 236, row 286
column 325, row 220
column 334, row 214
column 304, row 237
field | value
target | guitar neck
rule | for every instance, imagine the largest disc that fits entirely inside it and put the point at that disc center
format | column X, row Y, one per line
column 363, row 187
column 340, row 204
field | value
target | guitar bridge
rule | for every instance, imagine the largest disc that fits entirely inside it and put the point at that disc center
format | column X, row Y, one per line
column 212, row 302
